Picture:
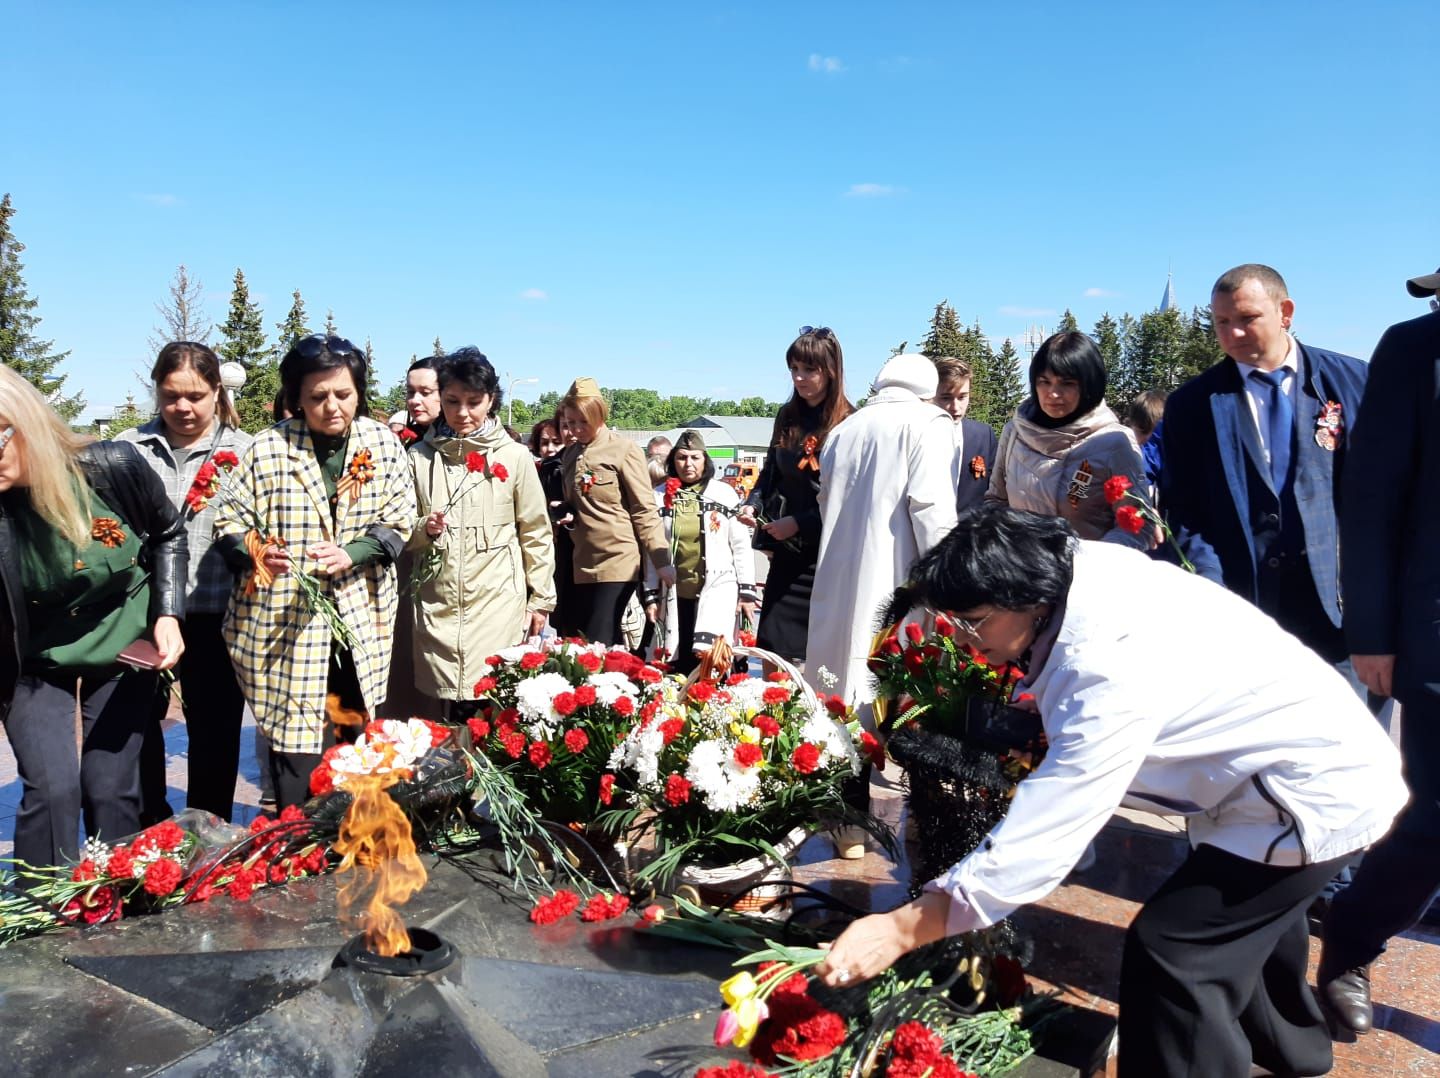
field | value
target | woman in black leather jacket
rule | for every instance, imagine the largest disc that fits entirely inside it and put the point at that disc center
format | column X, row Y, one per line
column 92, row 557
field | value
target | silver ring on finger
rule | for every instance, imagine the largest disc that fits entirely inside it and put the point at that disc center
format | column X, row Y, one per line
column 842, row 975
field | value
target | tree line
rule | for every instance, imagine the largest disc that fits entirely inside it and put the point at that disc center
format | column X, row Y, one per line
column 1157, row 350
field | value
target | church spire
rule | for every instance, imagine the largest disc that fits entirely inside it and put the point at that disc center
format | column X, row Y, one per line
column 1168, row 301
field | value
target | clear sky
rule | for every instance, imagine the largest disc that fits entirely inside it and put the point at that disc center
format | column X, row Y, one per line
column 661, row 194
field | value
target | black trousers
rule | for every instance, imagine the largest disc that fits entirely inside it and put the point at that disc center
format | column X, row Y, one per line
column 103, row 782
column 1400, row 875
column 597, row 609
column 682, row 649
column 1213, row 975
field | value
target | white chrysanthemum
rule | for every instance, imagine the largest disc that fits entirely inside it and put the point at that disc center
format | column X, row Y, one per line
column 749, row 695
column 609, row 686
column 835, row 742
column 534, row 699
column 640, row 752
column 724, row 785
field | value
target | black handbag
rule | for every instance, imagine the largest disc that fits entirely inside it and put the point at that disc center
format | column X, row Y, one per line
column 772, row 506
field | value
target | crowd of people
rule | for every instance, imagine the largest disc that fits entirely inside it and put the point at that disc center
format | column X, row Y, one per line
column 336, row 567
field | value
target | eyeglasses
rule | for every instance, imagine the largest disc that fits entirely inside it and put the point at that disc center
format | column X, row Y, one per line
column 820, row 332
column 971, row 628
column 313, row 345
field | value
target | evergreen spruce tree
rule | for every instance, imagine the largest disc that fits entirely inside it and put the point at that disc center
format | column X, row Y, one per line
column 243, row 333
column 329, row 323
column 1008, row 384
column 945, row 337
column 1107, row 339
column 20, row 349
column 372, row 380
column 294, row 327
column 1067, row 323
column 183, row 315
column 439, row 349
column 1199, row 349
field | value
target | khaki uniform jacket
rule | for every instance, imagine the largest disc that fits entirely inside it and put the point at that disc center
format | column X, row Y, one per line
column 499, row 558
column 281, row 651
column 615, row 514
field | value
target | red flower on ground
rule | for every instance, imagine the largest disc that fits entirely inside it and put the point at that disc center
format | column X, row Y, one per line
column 500, row 472
column 624, row 706
column 514, row 743
column 1130, row 519
column 767, row 726
column 540, row 755
column 532, row 660
column 806, row 758
column 121, row 865
column 240, row 889
column 479, row 728
column 166, row 835
column 916, row 1042
column 163, row 876
column 796, row 983
column 747, row 755
column 653, row 914
column 1008, row 976
column 475, row 462
column 292, row 814
column 585, row 695
column 677, row 790
column 591, row 663
column 734, row 1069
column 261, row 823
column 316, row 861
column 484, row 686
column 798, row 1028
column 576, row 740
column 607, row 788
column 670, row 729
column 84, row 872
column 1115, row 488
column 564, row 703
column 604, row 907
column 555, row 908
column 95, row 906
column 775, row 695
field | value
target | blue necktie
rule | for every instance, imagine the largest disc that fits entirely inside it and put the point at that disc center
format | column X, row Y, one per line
column 1281, row 415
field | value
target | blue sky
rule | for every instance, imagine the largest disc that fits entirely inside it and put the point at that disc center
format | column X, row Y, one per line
column 660, row 194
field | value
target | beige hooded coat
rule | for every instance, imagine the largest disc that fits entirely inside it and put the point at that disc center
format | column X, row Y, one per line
column 499, row 557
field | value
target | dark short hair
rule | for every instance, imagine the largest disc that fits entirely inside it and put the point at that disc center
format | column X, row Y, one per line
column 200, row 358
column 471, row 369
column 428, row 363
column 1072, row 355
column 1232, row 280
column 538, row 429
column 994, row 556
column 304, row 359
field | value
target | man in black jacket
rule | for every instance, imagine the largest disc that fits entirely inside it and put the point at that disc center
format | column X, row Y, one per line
column 1390, row 531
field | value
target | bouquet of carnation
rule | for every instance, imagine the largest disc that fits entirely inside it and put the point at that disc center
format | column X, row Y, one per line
column 554, row 716
column 721, row 769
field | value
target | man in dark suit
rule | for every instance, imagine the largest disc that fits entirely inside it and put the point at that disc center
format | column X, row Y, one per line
column 1254, row 449
column 1390, row 525
column 974, row 441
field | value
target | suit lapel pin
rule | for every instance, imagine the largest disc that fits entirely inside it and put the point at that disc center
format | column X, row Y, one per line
column 1328, row 426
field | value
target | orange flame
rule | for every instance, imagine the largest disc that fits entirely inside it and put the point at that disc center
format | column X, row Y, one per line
column 347, row 722
column 379, row 848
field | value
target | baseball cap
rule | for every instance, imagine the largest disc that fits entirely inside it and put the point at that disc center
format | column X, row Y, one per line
column 1428, row 285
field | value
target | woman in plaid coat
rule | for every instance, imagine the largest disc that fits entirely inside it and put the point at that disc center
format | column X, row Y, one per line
column 334, row 486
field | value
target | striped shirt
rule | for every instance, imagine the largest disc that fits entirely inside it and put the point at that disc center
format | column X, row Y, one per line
column 208, row 590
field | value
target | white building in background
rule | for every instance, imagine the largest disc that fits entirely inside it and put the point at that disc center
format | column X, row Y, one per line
column 742, row 439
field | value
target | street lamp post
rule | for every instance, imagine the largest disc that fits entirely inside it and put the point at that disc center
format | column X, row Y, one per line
column 510, row 398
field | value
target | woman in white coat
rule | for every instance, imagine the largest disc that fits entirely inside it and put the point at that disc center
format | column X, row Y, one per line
column 714, row 567
column 1194, row 703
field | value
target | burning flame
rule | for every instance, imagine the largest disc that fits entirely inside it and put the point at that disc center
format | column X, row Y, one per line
column 379, row 848
column 347, row 722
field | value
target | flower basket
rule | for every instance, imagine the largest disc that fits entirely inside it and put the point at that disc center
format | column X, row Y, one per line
column 761, row 882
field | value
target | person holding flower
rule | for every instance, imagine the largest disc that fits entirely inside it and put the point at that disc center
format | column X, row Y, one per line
column 608, row 490
column 486, row 531
column 784, row 506
column 1280, row 771
column 1064, row 442
column 714, row 567
column 191, row 444
column 92, row 559
column 328, row 494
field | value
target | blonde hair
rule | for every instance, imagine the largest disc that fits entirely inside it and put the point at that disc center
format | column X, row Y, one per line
column 594, row 409
column 58, row 490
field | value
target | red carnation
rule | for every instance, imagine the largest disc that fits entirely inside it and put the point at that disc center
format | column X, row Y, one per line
column 672, row 485
column 806, row 758
column 240, row 888
column 585, row 695
column 479, row 728
column 835, row 706
column 322, row 781
column 767, row 726
column 316, row 861
column 84, row 872
column 539, row 754
column 734, row 1069
column 564, row 703
column 95, row 906
column 873, row 750
column 607, row 788
column 555, row 908
column 261, row 823
column 225, row 458
column 621, row 662
column 514, row 743
column 408, row 436
column 1115, row 488
column 475, row 462
column 624, row 706
column 746, row 754
column 778, row 676
column 916, row 1042
column 701, row 691
column 604, row 908
column 1130, row 519
column 121, row 865
column 591, row 663
column 677, row 789
column 163, row 876
column 532, row 660
column 292, row 814
column 798, row 1028
column 500, row 472
column 576, row 740
column 736, row 679
column 484, row 686
column 648, row 674
column 670, row 729
column 774, row 695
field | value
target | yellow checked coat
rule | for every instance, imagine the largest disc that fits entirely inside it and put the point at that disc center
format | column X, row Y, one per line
column 281, row 650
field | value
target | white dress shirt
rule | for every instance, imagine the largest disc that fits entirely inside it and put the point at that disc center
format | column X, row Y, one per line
column 1258, row 394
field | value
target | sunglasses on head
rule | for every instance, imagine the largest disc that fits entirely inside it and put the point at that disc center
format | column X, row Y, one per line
column 820, row 332
column 313, row 345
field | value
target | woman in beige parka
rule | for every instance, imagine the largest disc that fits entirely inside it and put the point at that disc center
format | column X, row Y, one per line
column 482, row 511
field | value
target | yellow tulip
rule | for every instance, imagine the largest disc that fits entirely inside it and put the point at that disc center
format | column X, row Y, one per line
column 750, row 1013
column 739, row 987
